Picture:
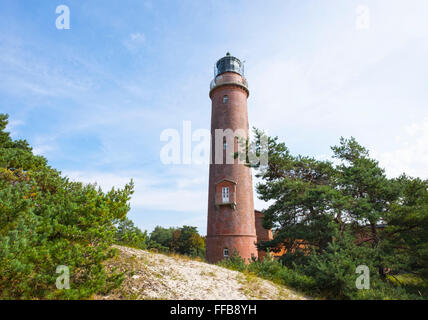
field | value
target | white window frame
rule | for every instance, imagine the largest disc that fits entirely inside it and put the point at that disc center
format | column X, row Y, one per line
column 225, row 253
column 225, row 194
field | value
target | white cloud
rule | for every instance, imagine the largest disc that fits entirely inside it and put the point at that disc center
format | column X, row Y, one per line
column 41, row 150
column 138, row 37
column 166, row 191
column 409, row 153
column 135, row 41
column 105, row 180
column 337, row 81
column 171, row 192
column 42, row 145
column 12, row 126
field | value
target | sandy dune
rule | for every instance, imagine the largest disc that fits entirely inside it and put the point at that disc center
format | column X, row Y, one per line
column 158, row 276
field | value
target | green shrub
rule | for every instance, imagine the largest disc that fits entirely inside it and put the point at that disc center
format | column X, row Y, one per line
column 234, row 262
column 47, row 221
column 130, row 235
column 331, row 278
column 271, row 270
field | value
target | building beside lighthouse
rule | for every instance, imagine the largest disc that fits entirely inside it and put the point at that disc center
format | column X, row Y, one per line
column 231, row 217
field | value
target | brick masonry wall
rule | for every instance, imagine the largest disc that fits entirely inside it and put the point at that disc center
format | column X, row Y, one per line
column 230, row 227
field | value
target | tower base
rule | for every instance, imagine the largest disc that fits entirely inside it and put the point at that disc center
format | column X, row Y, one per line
column 243, row 244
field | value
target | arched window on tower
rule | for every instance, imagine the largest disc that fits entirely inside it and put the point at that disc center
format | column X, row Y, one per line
column 226, row 99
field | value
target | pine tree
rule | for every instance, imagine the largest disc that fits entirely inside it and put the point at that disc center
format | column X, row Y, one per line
column 334, row 217
column 47, row 221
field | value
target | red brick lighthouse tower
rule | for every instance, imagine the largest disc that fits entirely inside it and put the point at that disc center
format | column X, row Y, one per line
column 231, row 220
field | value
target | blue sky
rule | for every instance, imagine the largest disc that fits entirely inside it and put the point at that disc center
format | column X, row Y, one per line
column 94, row 99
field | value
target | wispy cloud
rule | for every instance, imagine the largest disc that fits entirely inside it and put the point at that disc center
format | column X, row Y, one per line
column 410, row 152
column 24, row 73
column 13, row 126
column 135, row 42
column 171, row 192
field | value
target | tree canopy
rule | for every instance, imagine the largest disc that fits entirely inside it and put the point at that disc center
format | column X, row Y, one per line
column 184, row 240
column 47, row 221
column 332, row 216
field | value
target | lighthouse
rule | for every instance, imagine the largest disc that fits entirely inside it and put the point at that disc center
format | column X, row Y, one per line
column 231, row 217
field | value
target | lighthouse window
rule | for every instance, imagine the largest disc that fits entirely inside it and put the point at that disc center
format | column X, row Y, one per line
column 225, row 99
column 225, row 252
column 225, row 194
column 224, row 145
